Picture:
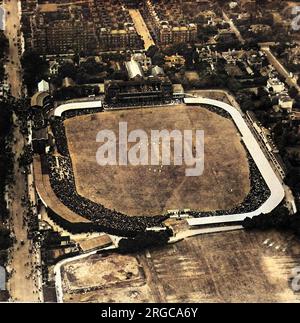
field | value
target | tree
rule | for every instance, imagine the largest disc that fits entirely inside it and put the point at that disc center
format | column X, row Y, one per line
column 233, row 85
column 5, row 241
column 144, row 240
column 279, row 219
column 67, row 69
column 3, row 45
column 247, row 105
column 152, row 50
column 158, row 59
column 35, row 68
column 5, row 153
column 91, row 67
column 293, row 92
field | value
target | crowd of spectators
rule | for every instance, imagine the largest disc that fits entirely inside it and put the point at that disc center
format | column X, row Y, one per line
column 259, row 190
column 59, row 135
column 38, row 120
column 76, row 113
column 218, row 111
column 63, row 183
column 259, row 193
column 30, row 221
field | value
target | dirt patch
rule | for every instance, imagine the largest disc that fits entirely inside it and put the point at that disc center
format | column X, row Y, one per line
column 146, row 190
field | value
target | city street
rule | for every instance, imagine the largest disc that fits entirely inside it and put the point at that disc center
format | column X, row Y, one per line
column 12, row 28
column 141, row 27
column 24, row 283
column 233, row 28
column 265, row 47
column 291, row 81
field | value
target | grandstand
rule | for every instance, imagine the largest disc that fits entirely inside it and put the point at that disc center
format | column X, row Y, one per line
column 126, row 201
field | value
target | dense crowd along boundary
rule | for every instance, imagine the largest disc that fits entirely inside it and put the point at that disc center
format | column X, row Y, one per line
column 266, row 190
column 274, row 184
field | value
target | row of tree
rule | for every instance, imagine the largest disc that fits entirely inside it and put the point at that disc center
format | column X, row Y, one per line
column 35, row 68
column 5, row 177
column 5, row 155
column 3, row 51
column 144, row 240
column 279, row 219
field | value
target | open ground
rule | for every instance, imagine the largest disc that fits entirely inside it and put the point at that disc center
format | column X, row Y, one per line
column 229, row 267
column 92, row 273
column 149, row 190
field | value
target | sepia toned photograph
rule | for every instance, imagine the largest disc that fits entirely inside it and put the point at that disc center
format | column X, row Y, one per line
column 149, row 154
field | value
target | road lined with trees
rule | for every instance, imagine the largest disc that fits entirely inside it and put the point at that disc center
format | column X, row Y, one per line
column 22, row 283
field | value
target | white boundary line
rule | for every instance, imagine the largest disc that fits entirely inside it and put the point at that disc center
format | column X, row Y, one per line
column 274, row 184
column 77, row 106
column 58, row 266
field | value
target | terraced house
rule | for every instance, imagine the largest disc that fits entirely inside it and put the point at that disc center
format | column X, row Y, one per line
column 60, row 28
